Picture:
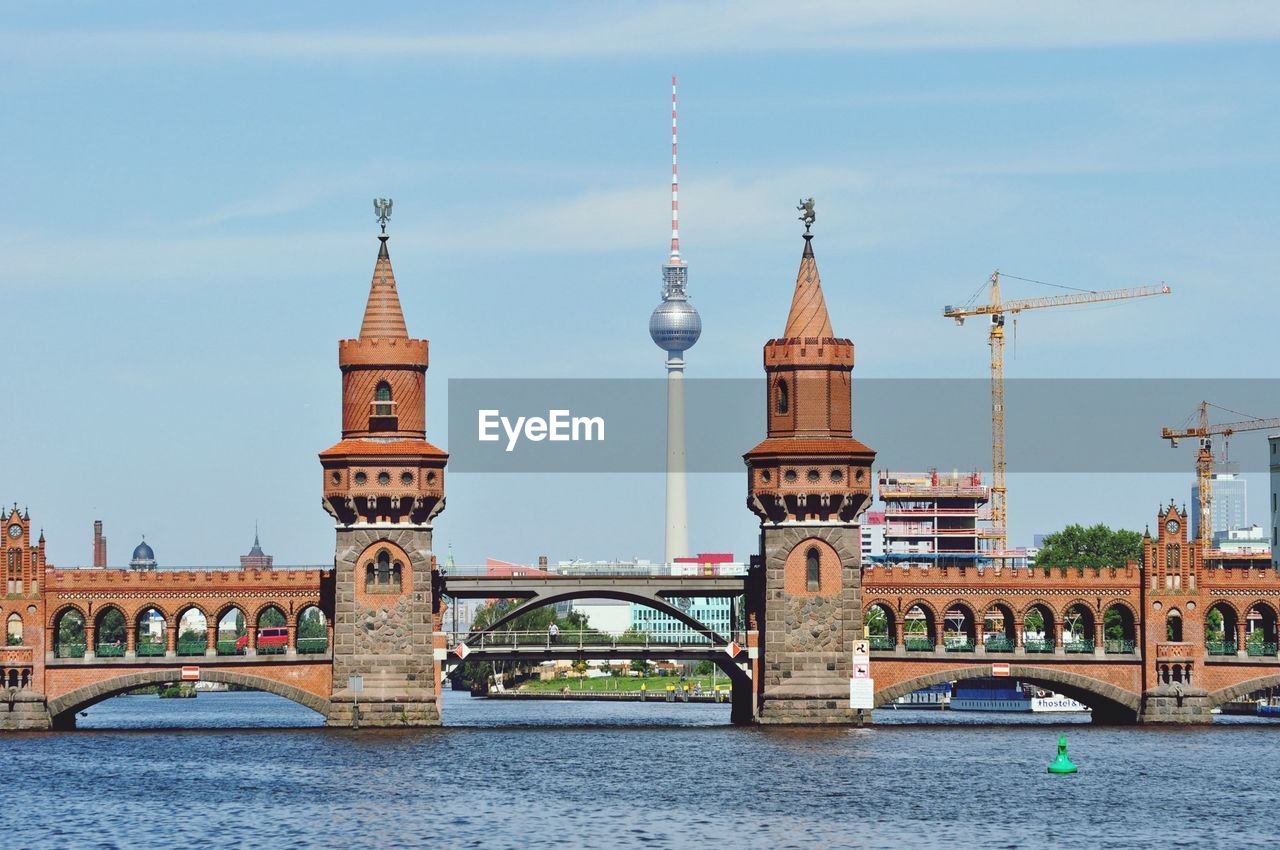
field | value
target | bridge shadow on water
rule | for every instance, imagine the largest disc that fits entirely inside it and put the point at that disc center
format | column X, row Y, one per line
column 258, row 711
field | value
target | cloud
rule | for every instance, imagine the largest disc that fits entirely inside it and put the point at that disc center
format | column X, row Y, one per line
column 638, row 29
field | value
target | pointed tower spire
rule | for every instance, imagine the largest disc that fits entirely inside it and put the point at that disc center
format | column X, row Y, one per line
column 808, row 317
column 383, row 318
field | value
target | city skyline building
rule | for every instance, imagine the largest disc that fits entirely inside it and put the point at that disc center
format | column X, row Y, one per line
column 675, row 326
column 935, row 518
column 1230, row 505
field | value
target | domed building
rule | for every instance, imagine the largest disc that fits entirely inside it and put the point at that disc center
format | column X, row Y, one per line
column 144, row 558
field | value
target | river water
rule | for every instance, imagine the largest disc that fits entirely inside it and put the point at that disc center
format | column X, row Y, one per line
column 594, row 774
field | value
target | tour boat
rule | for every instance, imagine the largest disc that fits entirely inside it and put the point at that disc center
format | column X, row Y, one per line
column 935, row 697
column 1056, row 703
column 1269, row 707
column 990, row 694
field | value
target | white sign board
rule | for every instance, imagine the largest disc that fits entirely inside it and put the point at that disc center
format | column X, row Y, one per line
column 355, row 684
column 862, row 693
column 1000, row 668
column 190, row 674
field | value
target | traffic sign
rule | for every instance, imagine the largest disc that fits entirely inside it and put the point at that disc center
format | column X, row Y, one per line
column 461, row 650
column 190, row 674
column 733, row 649
column 1000, row 668
column 861, row 649
column 861, row 671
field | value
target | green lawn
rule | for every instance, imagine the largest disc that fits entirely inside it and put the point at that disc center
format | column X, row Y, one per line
column 654, row 684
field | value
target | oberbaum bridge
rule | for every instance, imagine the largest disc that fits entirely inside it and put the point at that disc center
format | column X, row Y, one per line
column 804, row 599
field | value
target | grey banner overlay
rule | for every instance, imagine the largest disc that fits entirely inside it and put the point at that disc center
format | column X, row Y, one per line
column 1052, row 425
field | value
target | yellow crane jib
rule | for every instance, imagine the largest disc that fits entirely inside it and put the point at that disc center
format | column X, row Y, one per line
column 997, row 308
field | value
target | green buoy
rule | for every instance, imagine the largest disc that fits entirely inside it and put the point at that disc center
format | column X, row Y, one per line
column 1062, row 764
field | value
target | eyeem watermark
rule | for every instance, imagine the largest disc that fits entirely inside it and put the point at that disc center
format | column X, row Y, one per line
column 560, row 426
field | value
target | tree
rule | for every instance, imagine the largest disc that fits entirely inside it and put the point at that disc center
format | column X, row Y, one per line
column 111, row 628
column 640, row 666
column 876, row 623
column 1097, row 546
column 311, row 624
column 1213, row 626
column 271, row 617
column 704, row 668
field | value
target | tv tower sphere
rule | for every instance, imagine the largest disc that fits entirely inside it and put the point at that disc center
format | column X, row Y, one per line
column 675, row 325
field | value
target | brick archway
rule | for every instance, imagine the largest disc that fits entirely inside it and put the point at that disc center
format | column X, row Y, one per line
column 1108, row 701
column 63, row 708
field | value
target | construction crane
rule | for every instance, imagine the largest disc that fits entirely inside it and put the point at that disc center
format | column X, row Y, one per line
column 997, row 310
column 1205, row 457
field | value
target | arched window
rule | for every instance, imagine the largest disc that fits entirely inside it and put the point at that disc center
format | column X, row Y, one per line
column 13, row 631
column 812, row 570
column 783, row 396
column 384, row 568
column 382, row 399
column 396, row 576
column 1173, row 626
column 369, row 577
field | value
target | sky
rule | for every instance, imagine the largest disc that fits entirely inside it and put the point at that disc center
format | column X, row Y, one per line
column 186, row 232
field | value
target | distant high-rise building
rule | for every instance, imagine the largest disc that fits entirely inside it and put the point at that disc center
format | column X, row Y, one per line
column 1274, row 445
column 873, row 526
column 716, row 613
column 99, row 545
column 935, row 518
column 1230, row 508
column 675, row 326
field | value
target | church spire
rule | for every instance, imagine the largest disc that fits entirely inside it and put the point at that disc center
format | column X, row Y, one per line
column 808, row 317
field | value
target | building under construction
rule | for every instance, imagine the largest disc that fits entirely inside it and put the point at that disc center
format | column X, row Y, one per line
column 936, row 518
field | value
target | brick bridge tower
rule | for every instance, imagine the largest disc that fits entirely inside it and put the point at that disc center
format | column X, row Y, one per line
column 809, row 483
column 1173, row 633
column 383, row 485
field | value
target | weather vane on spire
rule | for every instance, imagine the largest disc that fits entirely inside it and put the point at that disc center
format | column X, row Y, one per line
column 807, row 215
column 382, row 209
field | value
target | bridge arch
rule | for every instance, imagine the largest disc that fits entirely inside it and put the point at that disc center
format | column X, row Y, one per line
column 965, row 627
column 1109, row 703
column 63, row 709
column 190, row 606
column 1240, row 689
column 887, row 615
column 1075, row 602
column 655, row 602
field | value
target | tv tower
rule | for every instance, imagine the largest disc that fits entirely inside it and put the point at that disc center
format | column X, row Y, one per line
column 675, row 326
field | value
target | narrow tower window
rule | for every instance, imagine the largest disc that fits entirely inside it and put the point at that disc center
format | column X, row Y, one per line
column 382, row 399
column 784, row 399
column 384, row 569
column 812, row 570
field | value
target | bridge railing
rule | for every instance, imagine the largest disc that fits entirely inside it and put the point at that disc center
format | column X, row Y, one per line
column 581, row 639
